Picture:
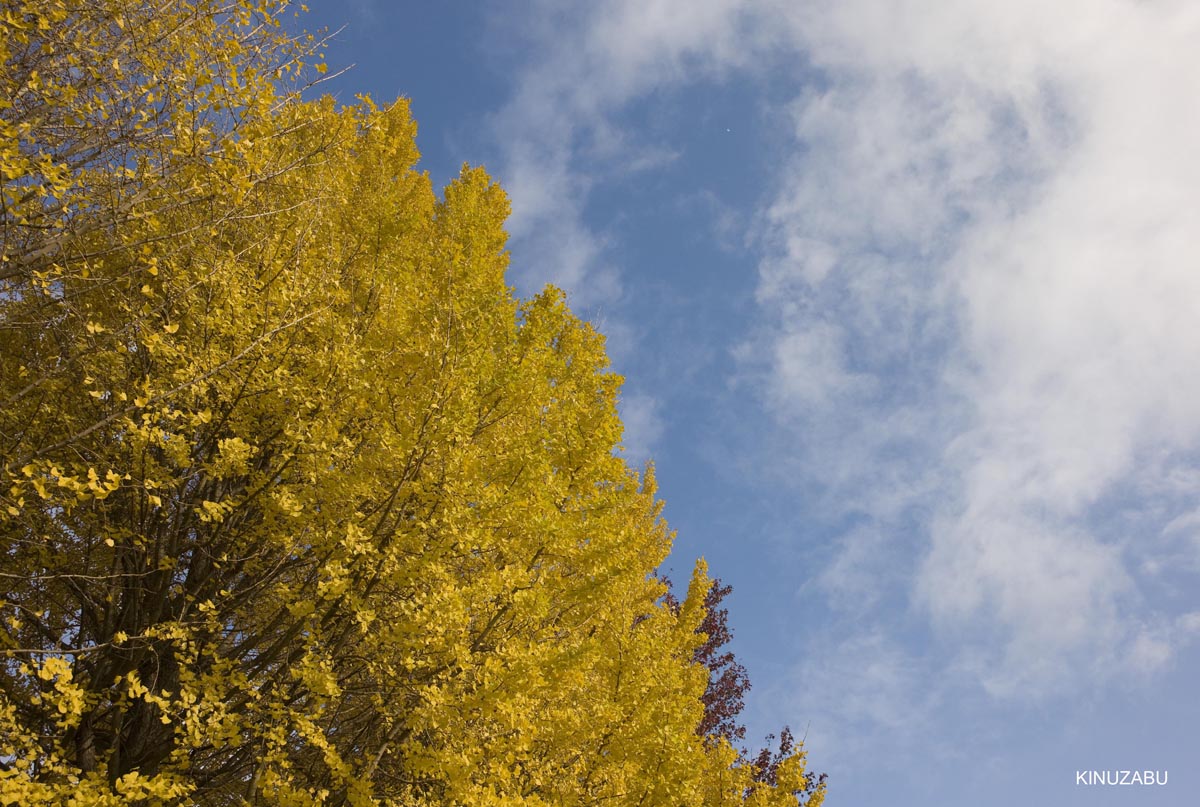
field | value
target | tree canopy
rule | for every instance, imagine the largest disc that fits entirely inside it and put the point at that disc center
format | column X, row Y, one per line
column 300, row 505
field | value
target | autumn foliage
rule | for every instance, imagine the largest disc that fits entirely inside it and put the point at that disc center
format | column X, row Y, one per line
column 298, row 504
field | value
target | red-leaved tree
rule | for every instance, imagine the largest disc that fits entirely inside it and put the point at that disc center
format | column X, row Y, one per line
column 728, row 684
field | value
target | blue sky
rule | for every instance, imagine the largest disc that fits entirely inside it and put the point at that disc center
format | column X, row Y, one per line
column 905, row 293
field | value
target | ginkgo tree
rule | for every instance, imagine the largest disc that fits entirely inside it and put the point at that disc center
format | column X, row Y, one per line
column 299, row 505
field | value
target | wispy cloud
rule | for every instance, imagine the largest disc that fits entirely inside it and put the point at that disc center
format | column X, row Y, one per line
column 560, row 135
column 644, row 426
column 866, row 696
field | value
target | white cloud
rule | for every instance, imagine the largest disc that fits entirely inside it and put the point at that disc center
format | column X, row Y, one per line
column 810, row 366
column 1000, row 200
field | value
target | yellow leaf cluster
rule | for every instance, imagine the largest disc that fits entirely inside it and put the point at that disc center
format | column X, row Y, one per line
column 300, row 505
